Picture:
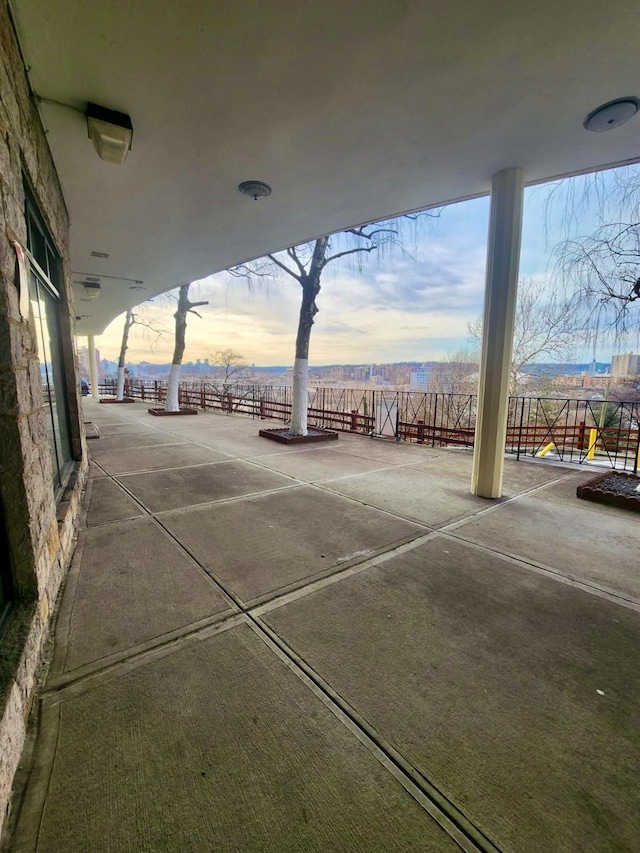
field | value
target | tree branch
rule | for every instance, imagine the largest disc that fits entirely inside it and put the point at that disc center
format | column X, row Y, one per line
column 349, row 252
column 284, row 267
column 291, row 251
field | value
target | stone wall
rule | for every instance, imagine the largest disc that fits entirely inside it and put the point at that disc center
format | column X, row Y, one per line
column 41, row 532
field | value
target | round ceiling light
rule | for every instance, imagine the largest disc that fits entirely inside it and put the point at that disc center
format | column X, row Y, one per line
column 255, row 189
column 612, row 114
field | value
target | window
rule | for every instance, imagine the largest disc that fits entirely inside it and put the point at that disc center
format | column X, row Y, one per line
column 45, row 301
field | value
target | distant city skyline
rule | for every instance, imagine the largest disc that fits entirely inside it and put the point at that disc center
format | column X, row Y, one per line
column 413, row 308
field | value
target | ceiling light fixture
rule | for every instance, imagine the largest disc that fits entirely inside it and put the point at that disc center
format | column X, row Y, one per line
column 111, row 133
column 612, row 114
column 91, row 289
column 136, row 287
column 99, row 254
column 255, row 189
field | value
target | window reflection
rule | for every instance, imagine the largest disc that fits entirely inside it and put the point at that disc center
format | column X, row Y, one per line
column 45, row 301
column 45, row 312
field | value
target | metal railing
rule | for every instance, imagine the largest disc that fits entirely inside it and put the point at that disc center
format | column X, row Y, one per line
column 576, row 431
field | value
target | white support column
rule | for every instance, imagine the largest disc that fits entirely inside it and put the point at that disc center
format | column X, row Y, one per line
column 93, row 373
column 503, row 259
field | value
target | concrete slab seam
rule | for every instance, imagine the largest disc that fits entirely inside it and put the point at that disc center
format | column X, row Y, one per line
column 142, row 446
column 43, row 759
column 21, row 779
column 101, row 467
column 88, row 681
column 86, row 503
column 229, row 500
column 330, row 480
column 233, row 499
column 329, row 572
column 61, row 621
column 258, row 600
column 336, row 577
column 171, row 467
column 253, row 461
column 211, row 580
column 418, row 447
column 500, row 502
column 587, row 586
column 64, row 679
column 209, row 464
column 217, row 584
column 359, row 502
column 454, row 822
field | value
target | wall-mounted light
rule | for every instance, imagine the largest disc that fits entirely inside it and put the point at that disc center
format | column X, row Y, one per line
column 111, row 133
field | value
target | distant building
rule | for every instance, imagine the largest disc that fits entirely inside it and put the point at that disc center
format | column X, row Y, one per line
column 419, row 379
column 83, row 363
column 625, row 366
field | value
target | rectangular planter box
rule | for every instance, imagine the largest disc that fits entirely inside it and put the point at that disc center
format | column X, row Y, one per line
column 282, row 435
column 596, row 490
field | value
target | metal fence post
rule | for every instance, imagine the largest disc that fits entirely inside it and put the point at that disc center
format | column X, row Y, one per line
column 435, row 418
column 520, row 428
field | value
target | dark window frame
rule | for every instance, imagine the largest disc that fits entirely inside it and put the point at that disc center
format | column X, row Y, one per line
column 45, row 286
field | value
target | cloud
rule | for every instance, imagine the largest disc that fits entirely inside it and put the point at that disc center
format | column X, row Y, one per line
column 393, row 310
column 414, row 306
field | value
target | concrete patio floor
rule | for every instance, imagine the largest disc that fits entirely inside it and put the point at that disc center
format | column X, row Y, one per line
column 334, row 648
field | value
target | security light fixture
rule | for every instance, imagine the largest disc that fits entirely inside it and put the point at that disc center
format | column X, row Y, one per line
column 91, row 289
column 255, row 189
column 612, row 114
column 111, row 133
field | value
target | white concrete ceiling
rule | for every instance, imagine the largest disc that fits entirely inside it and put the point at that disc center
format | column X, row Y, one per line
column 352, row 110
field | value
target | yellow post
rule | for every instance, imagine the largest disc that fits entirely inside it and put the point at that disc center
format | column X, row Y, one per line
column 593, row 437
column 546, row 449
column 604, row 407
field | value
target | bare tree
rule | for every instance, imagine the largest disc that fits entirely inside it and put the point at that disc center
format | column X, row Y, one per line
column 547, row 326
column 231, row 368
column 456, row 379
column 131, row 319
column 602, row 266
column 306, row 264
column 458, row 374
column 185, row 306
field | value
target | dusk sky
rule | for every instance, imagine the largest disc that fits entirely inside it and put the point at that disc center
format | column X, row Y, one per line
column 402, row 309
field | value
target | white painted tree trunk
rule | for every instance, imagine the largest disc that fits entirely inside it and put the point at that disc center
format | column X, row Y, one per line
column 171, row 403
column 120, row 384
column 300, row 397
